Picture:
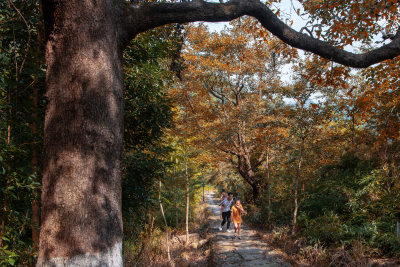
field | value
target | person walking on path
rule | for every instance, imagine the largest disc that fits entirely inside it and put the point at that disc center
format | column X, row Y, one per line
column 237, row 211
column 226, row 212
column 224, row 195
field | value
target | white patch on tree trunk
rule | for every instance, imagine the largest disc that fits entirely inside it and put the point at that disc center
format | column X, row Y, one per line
column 111, row 257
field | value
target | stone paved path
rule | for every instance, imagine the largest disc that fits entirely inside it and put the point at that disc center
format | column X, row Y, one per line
column 249, row 251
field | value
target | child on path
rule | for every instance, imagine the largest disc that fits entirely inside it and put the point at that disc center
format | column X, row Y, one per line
column 237, row 211
column 226, row 212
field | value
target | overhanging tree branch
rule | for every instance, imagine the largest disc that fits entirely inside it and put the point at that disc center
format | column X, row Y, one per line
column 140, row 18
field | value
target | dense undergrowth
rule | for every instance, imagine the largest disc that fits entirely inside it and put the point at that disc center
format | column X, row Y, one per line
column 347, row 217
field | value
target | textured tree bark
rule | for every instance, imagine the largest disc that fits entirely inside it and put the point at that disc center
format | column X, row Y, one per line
column 83, row 134
column 256, row 192
column 253, row 179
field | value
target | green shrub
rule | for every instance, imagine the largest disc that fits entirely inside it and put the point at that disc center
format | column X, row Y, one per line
column 325, row 229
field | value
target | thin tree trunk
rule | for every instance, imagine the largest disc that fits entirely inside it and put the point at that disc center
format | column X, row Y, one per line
column 203, row 192
column 353, row 129
column 176, row 203
column 187, row 203
column 35, row 202
column 5, row 199
column 187, row 183
column 3, row 223
column 296, row 185
column 176, row 217
column 295, row 205
column 35, row 167
column 269, row 188
column 81, row 223
column 35, row 222
column 4, row 208
column 165, row 220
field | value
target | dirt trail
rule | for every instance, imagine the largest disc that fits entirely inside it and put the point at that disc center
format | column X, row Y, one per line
column 249, row 251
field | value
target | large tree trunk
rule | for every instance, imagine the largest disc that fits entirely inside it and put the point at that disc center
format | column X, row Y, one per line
column 254, row 180
column 83, row 134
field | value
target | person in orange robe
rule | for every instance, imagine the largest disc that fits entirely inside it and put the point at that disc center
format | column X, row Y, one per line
column 237, row 211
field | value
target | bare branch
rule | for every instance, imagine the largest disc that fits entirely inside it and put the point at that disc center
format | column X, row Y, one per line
column 216, row 95
column 307, row 30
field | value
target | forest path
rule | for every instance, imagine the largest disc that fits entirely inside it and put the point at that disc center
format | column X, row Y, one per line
column 226, row 251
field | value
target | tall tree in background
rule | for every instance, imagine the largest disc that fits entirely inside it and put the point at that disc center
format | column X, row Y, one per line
column 228, row 90
column 379, row 105
column 83, row 132
column 308, row 117
column 305, row 119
